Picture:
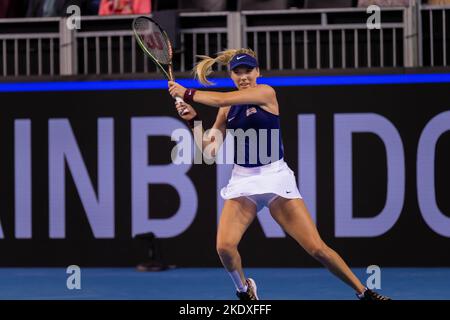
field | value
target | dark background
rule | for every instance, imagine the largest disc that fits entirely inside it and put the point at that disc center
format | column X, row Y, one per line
column 410, row 242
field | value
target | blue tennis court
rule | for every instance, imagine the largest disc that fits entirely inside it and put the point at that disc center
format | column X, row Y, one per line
column 214, row 284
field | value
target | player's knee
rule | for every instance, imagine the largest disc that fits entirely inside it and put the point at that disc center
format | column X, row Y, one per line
column 226, row 249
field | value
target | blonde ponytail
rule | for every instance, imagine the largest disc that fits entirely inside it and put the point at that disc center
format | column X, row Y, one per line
column 204, row 67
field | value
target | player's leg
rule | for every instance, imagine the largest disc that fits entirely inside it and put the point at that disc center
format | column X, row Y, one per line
column 237, row 215
column 294, row 218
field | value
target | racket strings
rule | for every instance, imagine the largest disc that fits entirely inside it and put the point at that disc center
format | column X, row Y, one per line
column 154, row 40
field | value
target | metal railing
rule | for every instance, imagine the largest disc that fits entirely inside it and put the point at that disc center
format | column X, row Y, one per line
column 114, row 51
column 108, row 51
column 287, row 39
column 333, row 38
column 203, row 40
column 25, row 53
column 434, row 38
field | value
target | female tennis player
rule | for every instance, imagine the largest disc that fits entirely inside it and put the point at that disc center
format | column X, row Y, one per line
column 255, row 184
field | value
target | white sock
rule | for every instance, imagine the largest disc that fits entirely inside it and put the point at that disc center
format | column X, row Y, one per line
column 236, row 277
column 361, row 295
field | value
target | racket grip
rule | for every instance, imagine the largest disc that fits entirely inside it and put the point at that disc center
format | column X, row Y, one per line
column 179, row 100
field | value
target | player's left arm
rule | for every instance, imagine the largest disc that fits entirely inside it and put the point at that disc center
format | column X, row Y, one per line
column 261, row 95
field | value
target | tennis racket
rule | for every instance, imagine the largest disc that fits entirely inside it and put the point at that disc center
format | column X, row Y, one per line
column 155, row 43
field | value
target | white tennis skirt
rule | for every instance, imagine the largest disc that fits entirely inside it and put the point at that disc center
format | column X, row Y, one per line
column 262, row 184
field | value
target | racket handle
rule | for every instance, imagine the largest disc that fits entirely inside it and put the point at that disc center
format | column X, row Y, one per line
column 179, row 100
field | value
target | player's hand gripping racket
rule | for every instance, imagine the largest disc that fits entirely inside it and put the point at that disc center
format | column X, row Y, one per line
column 155, row 43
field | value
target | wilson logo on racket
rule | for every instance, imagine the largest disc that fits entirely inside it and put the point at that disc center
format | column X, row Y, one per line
column 155, row 44
column 153, row 41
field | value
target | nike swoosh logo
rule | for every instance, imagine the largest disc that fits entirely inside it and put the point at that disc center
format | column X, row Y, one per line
column 231, row 119
column 239, row 57
column 288, row 191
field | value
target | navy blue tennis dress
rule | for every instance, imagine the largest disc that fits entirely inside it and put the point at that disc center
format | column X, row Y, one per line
column 260, row 172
